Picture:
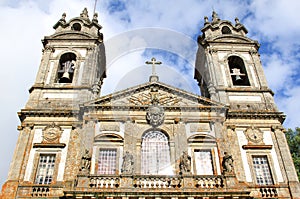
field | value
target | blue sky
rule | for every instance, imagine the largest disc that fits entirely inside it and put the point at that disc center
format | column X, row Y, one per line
column 143, row 29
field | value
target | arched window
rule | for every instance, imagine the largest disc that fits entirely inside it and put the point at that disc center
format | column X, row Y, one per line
column 155, row 153
column 66, row 68
column 226, row 30
column 238, row 71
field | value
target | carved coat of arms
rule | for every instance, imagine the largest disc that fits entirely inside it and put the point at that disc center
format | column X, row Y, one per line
column 155, row 115
column 51, row 134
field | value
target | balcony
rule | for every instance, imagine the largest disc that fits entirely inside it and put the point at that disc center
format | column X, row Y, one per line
column 121, row 182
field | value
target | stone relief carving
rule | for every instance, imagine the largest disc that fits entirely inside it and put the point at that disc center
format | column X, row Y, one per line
column 227, row 164
column 51, row 134
column 254, row 135
column 185, row 163
column 146, row 99
column 155, row 115
column 128, row 163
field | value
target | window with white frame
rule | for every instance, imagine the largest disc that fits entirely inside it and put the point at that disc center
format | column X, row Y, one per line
column 204, row 153
column 45, row 169
column 155, row 153
column 107, row 161
column 203, row 162
column 262, row 170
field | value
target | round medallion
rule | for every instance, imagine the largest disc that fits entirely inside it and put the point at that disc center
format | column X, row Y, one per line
column 51, row 134
column 254, row 135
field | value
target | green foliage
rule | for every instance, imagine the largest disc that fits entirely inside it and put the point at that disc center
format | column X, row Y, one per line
column 293, row 139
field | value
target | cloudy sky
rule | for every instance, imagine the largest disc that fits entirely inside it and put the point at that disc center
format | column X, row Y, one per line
column 161, row 28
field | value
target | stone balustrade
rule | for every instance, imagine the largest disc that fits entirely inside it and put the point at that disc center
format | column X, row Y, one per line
column 268, row 192
column 151, row 181
column 104, row 182
column 39, row 191
column 210, row 182
column 157, row 181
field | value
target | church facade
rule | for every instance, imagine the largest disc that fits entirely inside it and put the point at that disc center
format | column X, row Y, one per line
column 151, row 140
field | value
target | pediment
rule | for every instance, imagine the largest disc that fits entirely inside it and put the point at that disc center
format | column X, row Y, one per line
column 142, row 96
column 70, row 35
column 232, row 38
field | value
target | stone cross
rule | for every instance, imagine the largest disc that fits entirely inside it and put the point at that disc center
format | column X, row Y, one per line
column 153, row 62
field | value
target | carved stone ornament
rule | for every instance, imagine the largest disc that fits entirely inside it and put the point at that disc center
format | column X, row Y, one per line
column 254, row 135
column 155, row 115
column 51, row 134
column 227, row 164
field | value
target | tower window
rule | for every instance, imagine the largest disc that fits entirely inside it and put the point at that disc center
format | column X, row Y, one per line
column 262, row 170
column 45, row 169
column 66, row 68
column 155, row 153
column 226, row 30
column 238, row 71
column 76, row 26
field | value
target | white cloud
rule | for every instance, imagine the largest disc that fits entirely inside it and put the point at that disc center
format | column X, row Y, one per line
column 25, row 22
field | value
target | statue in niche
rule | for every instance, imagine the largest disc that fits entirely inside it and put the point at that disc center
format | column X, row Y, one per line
column 227, row 164
column 86, row 161
column 185, row 163
column 127, row 165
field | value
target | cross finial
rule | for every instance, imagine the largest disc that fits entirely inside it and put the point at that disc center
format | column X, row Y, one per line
column 153, row 62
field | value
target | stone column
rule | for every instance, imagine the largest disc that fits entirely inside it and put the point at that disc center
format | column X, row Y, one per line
column 18, row 164
column 287, row 161
column 44, row 67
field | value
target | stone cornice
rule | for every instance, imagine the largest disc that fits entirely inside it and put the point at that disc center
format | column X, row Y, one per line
column 246, row 89
column 258, row 147
column 49, row 145
column 46, row 113
column 256, row 115
column 166, row 108
column 59, row 86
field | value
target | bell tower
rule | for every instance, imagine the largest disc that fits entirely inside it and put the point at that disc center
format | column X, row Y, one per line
column 72, row 68
column 228, row 67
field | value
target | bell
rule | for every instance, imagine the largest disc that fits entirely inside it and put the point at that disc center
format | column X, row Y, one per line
column 238, row 78
column 65, row 78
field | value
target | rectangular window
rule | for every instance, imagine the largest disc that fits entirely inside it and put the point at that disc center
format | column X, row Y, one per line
column 45, row 169
column 107, row 161
column 262, row 170
column 204, row 163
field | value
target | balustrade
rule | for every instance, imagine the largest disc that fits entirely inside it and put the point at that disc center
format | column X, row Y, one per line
column 157, row 182
column 209, row 182
column 104, row 182
column 40, row 191
column 268, row 192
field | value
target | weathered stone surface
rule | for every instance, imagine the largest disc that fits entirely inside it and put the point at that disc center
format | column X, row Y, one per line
column 106, row 146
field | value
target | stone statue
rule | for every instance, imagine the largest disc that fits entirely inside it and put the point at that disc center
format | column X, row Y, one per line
column 127, row 165
column 215, row 17
column 95, row 18
column 84, row 13
column 185, row 163
column 86, row 161
column 227, row 164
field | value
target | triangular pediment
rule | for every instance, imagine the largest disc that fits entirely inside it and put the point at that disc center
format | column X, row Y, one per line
column 142, row 96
